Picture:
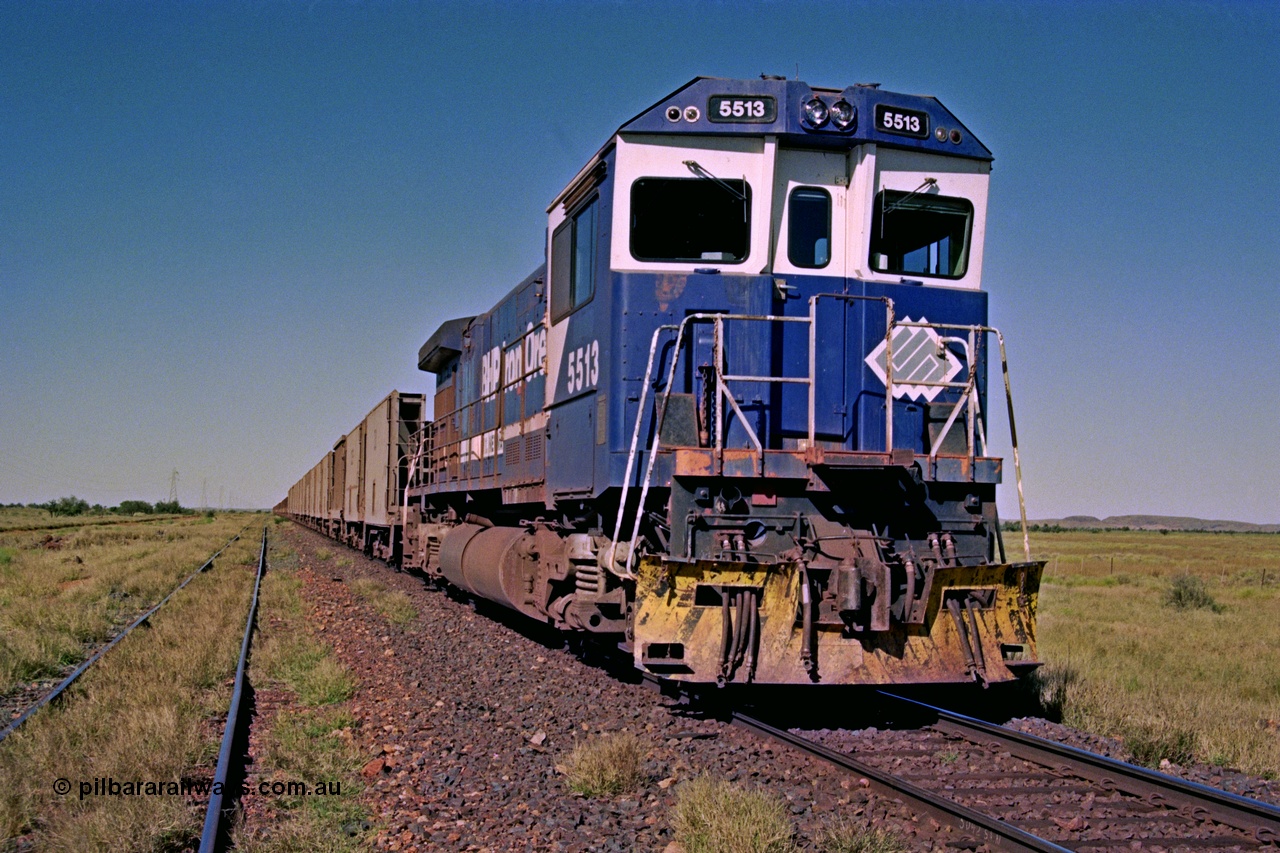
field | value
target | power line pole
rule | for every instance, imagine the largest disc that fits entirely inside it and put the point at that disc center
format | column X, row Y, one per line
column 173, row 487
column 204, row 493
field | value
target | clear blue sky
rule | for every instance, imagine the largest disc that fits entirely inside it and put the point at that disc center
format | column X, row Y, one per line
column 226, row 227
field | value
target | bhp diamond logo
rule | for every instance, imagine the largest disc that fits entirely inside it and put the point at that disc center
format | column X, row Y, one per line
column 918, row 356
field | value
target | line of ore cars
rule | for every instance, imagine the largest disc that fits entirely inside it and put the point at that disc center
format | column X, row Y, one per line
column 737, row 419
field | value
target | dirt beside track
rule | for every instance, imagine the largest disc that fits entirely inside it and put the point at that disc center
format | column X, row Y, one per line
column 465, row 721
column 466, row 718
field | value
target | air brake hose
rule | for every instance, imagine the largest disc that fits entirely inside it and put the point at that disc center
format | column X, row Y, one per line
column 806, row 609
column 753, row 607
column 726, row 631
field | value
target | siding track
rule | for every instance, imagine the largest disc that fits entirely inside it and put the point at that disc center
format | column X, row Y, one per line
column 58, row 690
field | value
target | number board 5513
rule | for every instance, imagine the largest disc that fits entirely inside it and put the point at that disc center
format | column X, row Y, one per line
column 901, row 121
column 754, row 109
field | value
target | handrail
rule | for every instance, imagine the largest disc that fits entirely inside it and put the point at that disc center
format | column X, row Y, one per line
column 888, row 361
column 718, row 320
column 631, row 453
column 968, row 402
column 971, row 392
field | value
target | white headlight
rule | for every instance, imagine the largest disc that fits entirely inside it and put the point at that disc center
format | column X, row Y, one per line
column 843, row 114
column 816, row 112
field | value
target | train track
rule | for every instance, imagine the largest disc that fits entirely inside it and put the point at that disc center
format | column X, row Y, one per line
column 1014, row 791
column 39, row 701
column 215, row 836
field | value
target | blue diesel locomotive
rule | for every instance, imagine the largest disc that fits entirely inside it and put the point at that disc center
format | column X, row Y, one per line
column 737, row 419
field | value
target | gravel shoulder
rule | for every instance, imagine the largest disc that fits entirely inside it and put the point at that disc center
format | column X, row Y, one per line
column 466, row 724
column 466, row 721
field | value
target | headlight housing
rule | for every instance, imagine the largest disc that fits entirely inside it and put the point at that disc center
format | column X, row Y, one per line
column 844, row 114
column 816, row 112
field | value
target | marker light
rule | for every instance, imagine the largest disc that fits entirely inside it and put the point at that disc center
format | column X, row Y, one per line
column 816, row 112
column 955, row 137
column 940, row 134
column 692, row 114
column 844, row 114
column 673, row 113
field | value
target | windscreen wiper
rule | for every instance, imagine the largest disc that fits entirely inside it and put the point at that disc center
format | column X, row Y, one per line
column 705, row 175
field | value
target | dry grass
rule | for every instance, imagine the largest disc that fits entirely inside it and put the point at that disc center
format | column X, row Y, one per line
column 291, row 657
column 845, row 837
column 142, row 713
column 713, row 816
column 61, row 598
column 606, row 766
column 311, row 744
column 392, row 604
column 1182, row 683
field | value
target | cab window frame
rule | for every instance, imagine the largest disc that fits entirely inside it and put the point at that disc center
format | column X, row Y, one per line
column 791, row 221
column 732, row 186
column 920, row 202
column 565, row 255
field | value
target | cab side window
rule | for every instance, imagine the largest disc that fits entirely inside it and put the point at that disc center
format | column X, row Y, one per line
column 573, row 268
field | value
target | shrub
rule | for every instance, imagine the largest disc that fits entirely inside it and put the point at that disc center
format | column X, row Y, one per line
column 1189, row 592
column 606, row 766
column 1051, row 690
column 1149, row 744
column 134, row 507
column 714, row 817
column 66, row 506
column 843, row 837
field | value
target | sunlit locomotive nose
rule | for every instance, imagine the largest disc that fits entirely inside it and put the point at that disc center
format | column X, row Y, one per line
column 736, row 420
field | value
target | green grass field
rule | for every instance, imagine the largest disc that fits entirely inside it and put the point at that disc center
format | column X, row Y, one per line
column 1183, row 683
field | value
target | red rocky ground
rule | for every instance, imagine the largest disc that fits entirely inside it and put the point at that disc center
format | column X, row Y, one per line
column 465, row 720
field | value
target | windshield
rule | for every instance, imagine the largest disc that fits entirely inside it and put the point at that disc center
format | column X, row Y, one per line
column 920, row 234
column 690, row 219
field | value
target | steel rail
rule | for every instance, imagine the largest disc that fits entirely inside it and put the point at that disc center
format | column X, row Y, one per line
column 1004, row 835
column 213, row 833
column 1244, row 813
column 96, row 656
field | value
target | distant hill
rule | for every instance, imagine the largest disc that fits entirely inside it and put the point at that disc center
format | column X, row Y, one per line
column 1153, row 522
